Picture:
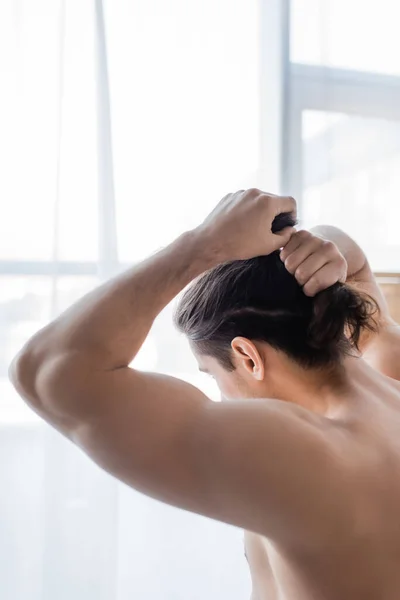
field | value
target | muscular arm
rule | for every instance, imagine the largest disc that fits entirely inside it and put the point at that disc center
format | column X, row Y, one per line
column 243, row 463
column 383, row 348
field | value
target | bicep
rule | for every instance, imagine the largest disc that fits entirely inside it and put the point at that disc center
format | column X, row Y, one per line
column 245, row 463
column 137, row 426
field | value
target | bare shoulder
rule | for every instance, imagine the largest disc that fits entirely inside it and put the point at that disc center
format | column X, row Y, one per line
column 384, row 353
column 300, row 478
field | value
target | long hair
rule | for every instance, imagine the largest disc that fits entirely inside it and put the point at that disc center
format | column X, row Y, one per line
column 260, row 300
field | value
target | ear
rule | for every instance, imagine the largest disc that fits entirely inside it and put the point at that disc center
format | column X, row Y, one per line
column 247, row 355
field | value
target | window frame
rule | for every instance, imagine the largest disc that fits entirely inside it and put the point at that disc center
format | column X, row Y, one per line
column 304, row 87
column 328, row 89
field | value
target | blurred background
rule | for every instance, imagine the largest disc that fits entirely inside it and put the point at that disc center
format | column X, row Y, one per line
column 122, row 123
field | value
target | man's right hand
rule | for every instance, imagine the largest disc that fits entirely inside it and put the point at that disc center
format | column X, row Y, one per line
column 240, row 225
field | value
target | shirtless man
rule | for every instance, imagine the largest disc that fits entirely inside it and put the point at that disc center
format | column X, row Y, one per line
column 305, row 455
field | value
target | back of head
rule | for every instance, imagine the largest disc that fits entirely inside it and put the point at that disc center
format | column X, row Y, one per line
column 260, row 300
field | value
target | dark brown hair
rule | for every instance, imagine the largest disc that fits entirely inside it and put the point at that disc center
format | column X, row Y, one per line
column 260, row 300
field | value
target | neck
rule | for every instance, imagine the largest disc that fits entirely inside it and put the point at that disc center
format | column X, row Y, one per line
column 322, row 390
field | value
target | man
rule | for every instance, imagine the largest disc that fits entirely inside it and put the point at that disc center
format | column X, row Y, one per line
column 305, row 456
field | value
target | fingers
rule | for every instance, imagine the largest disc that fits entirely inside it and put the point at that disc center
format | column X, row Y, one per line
column 286, row 204
column 279, row 204
column 316, row 263
column 295, row 241
column 283, row 236
column 299, row 248
column 310, row 266
column 321, row 280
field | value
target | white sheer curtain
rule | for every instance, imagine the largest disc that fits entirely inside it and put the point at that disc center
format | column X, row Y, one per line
column 121, row 124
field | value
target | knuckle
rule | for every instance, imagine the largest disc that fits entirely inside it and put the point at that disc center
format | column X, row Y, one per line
column 283, row 256
column 290, row 200
column 329, row 247
column 339, row 260
column 265, row 198
column 343, row 265
column 254, row 192
column 301, row 275
column 310, row 289
column 263, row 201
column 290, row 264
column 303, row 235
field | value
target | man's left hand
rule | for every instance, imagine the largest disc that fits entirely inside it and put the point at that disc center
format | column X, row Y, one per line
column 316, row 263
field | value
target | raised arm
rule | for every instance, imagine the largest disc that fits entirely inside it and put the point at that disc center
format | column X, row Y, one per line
column 359, row 271
column 242, row 463
column 325, row 255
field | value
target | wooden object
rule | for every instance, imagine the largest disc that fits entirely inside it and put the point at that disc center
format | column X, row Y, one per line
column 390, row 284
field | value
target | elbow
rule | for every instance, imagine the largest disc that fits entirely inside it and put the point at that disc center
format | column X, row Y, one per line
column 23, row 373
column 50, row 378
column 49, row 382
column 25, row 370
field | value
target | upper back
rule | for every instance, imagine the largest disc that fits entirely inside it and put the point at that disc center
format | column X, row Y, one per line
column 359, row 557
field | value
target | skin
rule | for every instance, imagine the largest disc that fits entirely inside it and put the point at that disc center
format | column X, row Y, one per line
column 316, row 261
column 307, row 462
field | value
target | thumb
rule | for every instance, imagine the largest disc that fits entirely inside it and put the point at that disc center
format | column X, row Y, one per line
column 283, row 236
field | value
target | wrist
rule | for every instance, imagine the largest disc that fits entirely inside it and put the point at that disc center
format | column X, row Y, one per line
column 204, row 252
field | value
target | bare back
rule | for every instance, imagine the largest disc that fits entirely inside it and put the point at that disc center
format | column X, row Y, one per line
column 315, row 473
column 361, row 557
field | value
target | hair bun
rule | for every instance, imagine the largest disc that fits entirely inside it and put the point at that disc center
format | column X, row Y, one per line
column 336, row 309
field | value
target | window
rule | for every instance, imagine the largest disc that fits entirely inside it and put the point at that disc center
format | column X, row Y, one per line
column 346, row 34
column 351, row 179
column 186, row 120
column 343, row 129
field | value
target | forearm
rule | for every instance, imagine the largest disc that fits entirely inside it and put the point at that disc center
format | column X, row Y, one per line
column 109, row 325
column 105, row 330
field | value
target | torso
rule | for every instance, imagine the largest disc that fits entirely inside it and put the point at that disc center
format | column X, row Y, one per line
column 361, row 561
